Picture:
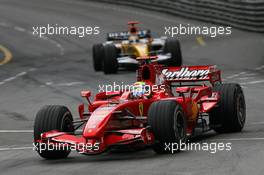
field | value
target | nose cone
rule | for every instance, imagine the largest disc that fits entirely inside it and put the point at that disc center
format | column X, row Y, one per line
column 97, row 122
column 142, row 50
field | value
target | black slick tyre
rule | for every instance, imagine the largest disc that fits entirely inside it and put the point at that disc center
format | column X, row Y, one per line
column 52, row 117
column 173, row 47
column 230, row 113
column 168, row 124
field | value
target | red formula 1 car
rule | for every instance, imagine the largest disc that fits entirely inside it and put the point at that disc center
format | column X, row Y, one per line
column 171, row 103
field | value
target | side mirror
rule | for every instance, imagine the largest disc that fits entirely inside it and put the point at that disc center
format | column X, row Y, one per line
column 86, row 94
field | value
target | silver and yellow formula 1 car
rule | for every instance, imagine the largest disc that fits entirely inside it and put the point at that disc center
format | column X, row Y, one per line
column 122, row 48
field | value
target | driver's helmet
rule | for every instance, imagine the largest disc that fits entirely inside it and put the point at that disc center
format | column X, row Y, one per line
column 133, row 39
column 140, row 89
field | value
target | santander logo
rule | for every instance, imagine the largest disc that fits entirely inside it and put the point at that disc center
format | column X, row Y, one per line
column 185, row 73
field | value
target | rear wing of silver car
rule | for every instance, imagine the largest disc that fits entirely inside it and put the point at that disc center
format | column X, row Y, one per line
column 116, row 36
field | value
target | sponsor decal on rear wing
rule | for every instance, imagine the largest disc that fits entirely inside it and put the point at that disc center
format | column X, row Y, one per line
column 192, row 73
column 125, row 35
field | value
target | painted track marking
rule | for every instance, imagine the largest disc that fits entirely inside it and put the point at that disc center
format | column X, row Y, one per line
column 15, row 148
column 248, row 75
column 7, row 55
column 21, row 29
column 16, row 131
column 200, row 41
column 243, row 139
column 9, row 79
column 253, row 82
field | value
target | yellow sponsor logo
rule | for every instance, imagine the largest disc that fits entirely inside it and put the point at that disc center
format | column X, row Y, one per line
column 195, row 111
column 141, row 108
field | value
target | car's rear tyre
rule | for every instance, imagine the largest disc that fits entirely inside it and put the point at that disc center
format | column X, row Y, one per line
column 98, row 54
column 110, row 64
column 230, row 113
column 173, row 46
column 168, row 124
column 52, row 117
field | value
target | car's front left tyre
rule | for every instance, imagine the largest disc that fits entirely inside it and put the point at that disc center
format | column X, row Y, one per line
column 168, row 124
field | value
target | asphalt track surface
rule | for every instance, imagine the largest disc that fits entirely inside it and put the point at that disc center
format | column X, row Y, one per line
column 54, row 71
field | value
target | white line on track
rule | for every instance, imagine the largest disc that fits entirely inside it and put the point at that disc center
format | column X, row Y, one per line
column 67, row 84
column 15, row 148
column 244, row 87
column 58, row 45
column 16, row 131
column 3, row 24
column 256, row 123
column 21, row 29
column 236, row 75
column 16, row 76
column 244, row 78
column 247, row 75
column 242, row 139
column 253, row 82
column 259, row 68
column 250, row 74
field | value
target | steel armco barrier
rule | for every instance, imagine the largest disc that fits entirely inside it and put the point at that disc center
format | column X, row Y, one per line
column 242, row 14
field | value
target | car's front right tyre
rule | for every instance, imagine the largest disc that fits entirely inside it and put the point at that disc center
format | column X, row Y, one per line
column 52, row 117
column 110, row 63
column 98, row 54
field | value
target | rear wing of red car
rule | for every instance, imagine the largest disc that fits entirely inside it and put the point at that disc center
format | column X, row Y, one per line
column 192, row 74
